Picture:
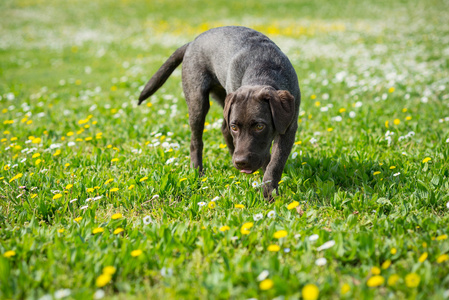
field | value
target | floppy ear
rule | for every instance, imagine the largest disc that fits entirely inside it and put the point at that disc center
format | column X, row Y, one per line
column 282, row 110
column 227, row 107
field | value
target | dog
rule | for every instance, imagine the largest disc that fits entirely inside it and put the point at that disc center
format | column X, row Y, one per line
column 257, row 86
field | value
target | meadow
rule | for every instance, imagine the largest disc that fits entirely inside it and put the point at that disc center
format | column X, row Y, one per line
column 97, row 197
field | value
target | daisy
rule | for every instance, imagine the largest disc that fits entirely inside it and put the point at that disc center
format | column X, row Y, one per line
column 257, row 217
column 147, row 220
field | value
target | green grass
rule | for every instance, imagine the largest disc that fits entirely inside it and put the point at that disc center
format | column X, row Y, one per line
column 370, row 171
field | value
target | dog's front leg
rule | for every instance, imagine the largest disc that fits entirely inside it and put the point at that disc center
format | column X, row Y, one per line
column 282, row 147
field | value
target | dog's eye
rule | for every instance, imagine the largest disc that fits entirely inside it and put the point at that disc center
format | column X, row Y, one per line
column 260, row 127
column 234, row 128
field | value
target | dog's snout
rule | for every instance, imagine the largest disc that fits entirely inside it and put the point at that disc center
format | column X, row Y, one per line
column 241, row 162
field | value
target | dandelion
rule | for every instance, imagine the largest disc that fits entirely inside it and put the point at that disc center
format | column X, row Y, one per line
column 345, row 288
column 109, row 181
column 61, row 230
column 376, row 173
column 102, row 280
column 136, row 253
column 442, row 258
column 396, row 121
column 393, row 279
column 423, row 257
column 113, row 190
column 211, row 205
column 57, row 196
column 257, row 217
column 77, row 220
column 280, row 234
column 326, row 245
column 131, row 187
column 110, row 270
column 9, row 253
column 441, row 237
column 393, row 251
column 57, row 152
column 224, row 228
column 292, row 205
column 239, row 206
column 310, row 292
column 246, row 227
column 143, row 179
column 266, row 284
column 98, row 230
column 273, row 248
column 375, row 281
column 114, row 159
column 116, row 216
column 375, row 270
column 69, row 186
column 321, row 261
column 427, row 159
column 412, row 280
column 386, row 264
column 118, row 230
column 90, row 190
column 147, row 220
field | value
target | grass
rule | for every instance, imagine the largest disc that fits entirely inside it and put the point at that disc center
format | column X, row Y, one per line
column 87, row 177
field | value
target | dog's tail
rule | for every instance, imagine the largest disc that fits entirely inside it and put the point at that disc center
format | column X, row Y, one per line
column 163, row 73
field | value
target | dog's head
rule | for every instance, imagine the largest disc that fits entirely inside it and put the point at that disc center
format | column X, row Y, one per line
column 254, row 115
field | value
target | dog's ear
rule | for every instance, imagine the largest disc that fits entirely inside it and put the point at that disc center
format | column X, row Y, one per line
column 282, row 110
column 227, row 107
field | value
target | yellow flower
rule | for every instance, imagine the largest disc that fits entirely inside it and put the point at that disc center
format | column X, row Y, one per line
column 143, row 179
column 310, row 292
column 224, row 228
column 408, row 118
column 66, row 165
column 393, row 251
column 109, row 270
column 393, row 279
column 293, row 205
column 131, row 187
column 442, row 237
column 38, row 161
column 116, row 216
column 113, row 190
column 391, row 90
column 211, row 205
column 36, row 140
column 246, row 227
column 6, row 167
column 57, row 152
column 57, row 196
column 317, row 103
column 78, row 219
column 69, row 186
column 9, row 253
column 61, row 230
column 392, row 167
column 102, row 280
column 330, row 129
column 114, row 159
column 109, row 181
column 239, row 206
column 266, row 284
column 426, row 159
column 342, row 110
column 397, row 121
column 386, row 264
column 345, row 288
column 376, row 280
column 118, row 230
column 412, row 280
column 98, row 230
column 387, row 124
column 273, row 248
column 222, row 146
column 36, row 155
column 423, row 257
column 442, row 258
column 16, row 177
column 376, row 173
column 375, row 270
column 90, row 190
column 136, row 253
column 280, row 234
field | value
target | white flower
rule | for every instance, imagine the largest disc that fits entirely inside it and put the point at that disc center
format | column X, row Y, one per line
column 73, row 200
column 337, row 119
column 313, row 237
column 155, row 197
column 147, row 220
column 326, row 245
column 99, row 294
column 447, row 141
column 84, row 207
column 321, row 261
column 170, row 160
column 352, row 114
column 397, row 174
column 313, row 140
column 447, row 205
column 263, row 275
column 255, row 184
column 46, row 297
column 166, row 272
column 200, row 204
column 257, row 217
column 271, row 214
column 287, row 250
column 297, row 236
column 71, row 144
column 215, row 199
column 358, row 104
column 59, row 294
column 294, row 155
column 234, row 238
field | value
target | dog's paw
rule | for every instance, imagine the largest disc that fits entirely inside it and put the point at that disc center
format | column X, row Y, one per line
column 269, row 191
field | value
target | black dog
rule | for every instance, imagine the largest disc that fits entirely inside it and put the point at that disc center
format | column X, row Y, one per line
column 257, row 86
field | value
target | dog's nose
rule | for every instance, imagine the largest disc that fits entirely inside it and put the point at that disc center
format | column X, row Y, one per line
column 241, row 162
